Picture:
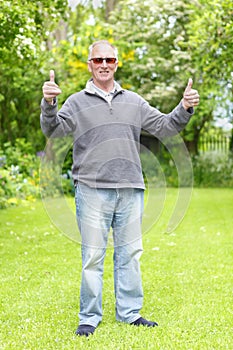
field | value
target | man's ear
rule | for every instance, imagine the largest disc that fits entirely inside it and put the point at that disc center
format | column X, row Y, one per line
column 89, row 67
column 116, row 67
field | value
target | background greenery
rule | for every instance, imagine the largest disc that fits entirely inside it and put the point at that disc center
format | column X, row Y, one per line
column 161, row 44
column 25, row 176
column 187, row 279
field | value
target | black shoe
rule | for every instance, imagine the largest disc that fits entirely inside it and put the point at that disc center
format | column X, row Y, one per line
column 85, row 329
column 142, row 322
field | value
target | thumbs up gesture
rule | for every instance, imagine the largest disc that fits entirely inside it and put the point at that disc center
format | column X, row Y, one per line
column 50, row 88
column 190, row 96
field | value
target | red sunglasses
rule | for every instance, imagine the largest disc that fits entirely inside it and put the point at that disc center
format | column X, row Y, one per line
column 99, row 60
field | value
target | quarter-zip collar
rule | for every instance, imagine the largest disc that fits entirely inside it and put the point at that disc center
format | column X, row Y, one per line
column 91, row 89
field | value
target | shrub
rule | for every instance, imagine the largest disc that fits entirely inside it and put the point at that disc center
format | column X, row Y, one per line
column 22, row 156
column 213, row 169
column 20, row 175
column 52, row 183
column 210, row 169
column 23, row 177
column 15, row 187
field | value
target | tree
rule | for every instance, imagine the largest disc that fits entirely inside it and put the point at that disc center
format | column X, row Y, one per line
column 23, row 27
column 86, row 23
column 164, row 40
column 153, row 32
column 210, row 37
column 157, row 64
column 161, row 44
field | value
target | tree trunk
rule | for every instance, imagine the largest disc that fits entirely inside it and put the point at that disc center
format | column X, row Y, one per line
column 59, row 34
column 231, row 142
column 192, row 146
column 110, row 5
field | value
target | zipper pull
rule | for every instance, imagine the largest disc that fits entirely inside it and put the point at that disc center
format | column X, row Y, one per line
column 110, row 107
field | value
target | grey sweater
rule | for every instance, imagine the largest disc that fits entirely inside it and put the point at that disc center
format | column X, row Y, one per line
column 106, row 134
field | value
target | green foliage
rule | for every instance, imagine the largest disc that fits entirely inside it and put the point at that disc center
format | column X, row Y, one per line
column 26, row 176
column 210, row 169
column 210, row 34
column 24, row 24
column 213, row 169
column 155, row 32
column 51, row 182
column 21, row 155
column 209, row 31
column 24, row 27
column 69, row 56
column 161, row 44
column 159, row 171
column 21, row 179
column 172, row 41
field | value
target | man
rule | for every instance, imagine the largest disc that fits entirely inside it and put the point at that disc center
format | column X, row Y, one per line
column 105, row 121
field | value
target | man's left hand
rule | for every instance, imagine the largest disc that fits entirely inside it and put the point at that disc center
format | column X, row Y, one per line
column 190, row 97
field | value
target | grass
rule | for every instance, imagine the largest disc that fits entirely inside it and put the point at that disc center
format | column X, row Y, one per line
column 187, row 279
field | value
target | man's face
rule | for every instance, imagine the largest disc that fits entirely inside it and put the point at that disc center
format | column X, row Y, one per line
column 102, row 73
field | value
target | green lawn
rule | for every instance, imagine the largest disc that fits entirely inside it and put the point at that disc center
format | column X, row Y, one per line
column 187, row 278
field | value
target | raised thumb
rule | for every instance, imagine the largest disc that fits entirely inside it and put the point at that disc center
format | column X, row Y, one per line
column 190, row 84
column 52, row 76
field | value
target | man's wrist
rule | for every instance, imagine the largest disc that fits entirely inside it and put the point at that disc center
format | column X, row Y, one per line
column 51, row 101
column 184, row 105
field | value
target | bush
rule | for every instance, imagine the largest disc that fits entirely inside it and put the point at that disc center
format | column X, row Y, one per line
column 162, row 171
column 20, row 155
column 213, row 169
column 52, row 183
column 210, row 169
column 20, row 178
column 23, row 177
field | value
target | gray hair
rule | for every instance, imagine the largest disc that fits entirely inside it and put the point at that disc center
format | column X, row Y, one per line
column 101, row 42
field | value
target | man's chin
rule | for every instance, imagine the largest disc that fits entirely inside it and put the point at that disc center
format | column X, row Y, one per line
column 104, row 76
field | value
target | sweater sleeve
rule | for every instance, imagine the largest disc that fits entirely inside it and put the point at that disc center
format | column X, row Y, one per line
column 56, row 123
column 163, row 125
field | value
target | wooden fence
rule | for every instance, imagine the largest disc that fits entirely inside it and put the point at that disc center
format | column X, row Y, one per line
column 219, row 143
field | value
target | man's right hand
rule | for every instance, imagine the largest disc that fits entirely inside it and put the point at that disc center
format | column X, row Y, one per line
column 50, row 88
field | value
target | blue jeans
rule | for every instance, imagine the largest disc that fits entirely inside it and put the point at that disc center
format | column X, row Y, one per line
column 97, row 211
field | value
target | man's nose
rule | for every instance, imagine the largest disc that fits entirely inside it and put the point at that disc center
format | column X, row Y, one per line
column 104, row 63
